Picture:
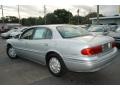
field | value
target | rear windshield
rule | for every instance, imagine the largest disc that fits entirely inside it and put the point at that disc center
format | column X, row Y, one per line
column 71, row 31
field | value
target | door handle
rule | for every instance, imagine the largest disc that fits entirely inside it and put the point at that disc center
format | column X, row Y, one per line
column 45, row 44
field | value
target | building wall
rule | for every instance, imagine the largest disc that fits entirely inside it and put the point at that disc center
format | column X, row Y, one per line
column 107, row 21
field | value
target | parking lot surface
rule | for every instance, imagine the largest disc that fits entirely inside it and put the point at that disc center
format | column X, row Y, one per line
column 24, row 72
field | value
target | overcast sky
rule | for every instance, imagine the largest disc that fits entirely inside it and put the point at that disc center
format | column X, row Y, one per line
column 37, row 10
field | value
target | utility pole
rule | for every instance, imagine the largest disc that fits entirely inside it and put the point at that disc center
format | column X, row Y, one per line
column 45, row 13
column 97, row 14
column 78, row 15
column 3, row 26
column 19, row 13
column 2, row 14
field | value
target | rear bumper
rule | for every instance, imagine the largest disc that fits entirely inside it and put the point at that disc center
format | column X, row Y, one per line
column 92, row 65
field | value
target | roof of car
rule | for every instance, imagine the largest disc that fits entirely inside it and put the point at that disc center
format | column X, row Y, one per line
column 53, row 25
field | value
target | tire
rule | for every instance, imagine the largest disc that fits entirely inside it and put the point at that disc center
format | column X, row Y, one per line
column 59, row 72
column 11, row 54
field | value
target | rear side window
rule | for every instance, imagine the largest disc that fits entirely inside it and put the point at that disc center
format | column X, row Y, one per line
column 48, row 34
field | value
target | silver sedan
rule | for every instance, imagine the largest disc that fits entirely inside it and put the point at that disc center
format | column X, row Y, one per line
column 99, row 29
column 62, row 48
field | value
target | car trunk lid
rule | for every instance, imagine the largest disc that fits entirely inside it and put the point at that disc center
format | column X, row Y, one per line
column 92, row 41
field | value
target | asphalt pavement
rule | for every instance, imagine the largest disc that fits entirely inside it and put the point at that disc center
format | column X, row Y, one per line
column 24, row 72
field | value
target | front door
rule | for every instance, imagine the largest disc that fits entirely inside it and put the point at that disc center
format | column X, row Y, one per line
column 21, row 44
column 39, row 44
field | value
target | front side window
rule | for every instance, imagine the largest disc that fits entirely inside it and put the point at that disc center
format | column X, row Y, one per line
column 71, row 31
column 27, row 34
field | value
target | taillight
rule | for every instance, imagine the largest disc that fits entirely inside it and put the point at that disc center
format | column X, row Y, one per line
column 113, row 44
column 92, row 51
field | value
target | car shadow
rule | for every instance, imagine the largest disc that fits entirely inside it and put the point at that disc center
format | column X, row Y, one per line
column 101, row 77
column 86, row 78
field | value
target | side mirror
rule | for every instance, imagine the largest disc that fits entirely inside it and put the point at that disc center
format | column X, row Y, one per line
column 17, row 36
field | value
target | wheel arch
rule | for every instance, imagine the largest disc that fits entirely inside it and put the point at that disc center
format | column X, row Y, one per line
column 8, row 45
column 52, row 52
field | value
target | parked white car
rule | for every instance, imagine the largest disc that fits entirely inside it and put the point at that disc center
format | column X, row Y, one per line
column 7, row 34
column 18, row 32
column 99, row 29
column 116, row 35
column 62, row 48
column 84, row 26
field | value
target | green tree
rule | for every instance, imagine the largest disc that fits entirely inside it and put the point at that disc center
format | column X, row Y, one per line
column 11, row 19
column 75, row 19
column 63, row 16
column 40, row 21
column 25, row 22
column 51, row 18
column 32, row 21
column 29, row 21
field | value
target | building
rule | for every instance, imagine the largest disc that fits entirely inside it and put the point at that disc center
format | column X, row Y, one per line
column 111, row 20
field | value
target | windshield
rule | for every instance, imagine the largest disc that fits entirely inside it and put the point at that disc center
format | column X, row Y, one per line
column 71, row 31
column 21, row 30
column 113, row 27
column 118, row 29
column 13, row 30
column 96, row 29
